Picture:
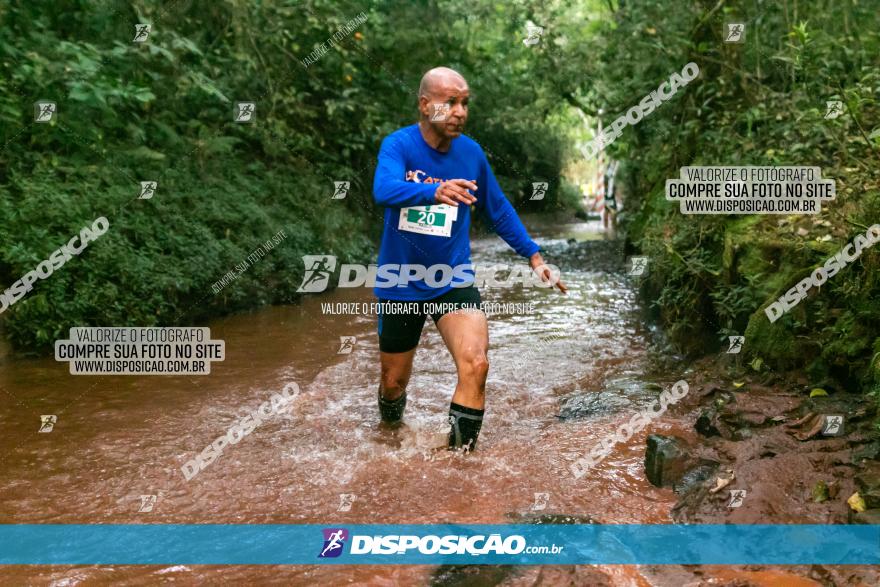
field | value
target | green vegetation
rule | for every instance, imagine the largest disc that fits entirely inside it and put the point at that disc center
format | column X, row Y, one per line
column 758, row 103
column 162, row 110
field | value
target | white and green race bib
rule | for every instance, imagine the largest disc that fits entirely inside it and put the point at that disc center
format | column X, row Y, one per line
column 436, row 219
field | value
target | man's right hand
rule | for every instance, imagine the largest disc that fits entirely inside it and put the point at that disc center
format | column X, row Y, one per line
column 454, row 191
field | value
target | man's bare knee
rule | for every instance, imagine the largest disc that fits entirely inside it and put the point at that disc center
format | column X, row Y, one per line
column 395, row 371
column 474, row 367
column 392, row 385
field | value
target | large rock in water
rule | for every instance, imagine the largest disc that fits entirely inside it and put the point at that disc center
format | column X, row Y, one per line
column 592, row 404
column 666, row 460
column 619, row 395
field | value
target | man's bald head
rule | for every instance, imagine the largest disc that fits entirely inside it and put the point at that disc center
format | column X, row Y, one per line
column 440, row 77
column 443, row 102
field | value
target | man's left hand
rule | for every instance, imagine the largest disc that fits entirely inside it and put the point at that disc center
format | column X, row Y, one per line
column 537, row 264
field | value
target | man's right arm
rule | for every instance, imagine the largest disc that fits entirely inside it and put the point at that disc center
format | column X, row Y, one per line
column 389, row 187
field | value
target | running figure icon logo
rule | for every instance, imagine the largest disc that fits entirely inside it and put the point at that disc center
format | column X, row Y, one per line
column 541, row 501
column 141, row 33
column 319, row 268
column 346, row 345
column 47, row 423
column 345, row 502
column 736, row 498
column 148, row 188
column 736, row 344
column 334, row 541
column 147, row 503
column 533, row 34
column 44, row 111
column 735, row 32
column 244, row 111
column 441, row 111
column 833, row 109
column 832, row 426
column 539, row 189
column 340, row 189
column 637, row 265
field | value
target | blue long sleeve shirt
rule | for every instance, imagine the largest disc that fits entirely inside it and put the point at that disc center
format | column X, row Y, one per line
column 419, row 232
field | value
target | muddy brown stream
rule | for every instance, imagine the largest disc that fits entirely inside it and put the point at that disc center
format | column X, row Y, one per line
column 118, row 438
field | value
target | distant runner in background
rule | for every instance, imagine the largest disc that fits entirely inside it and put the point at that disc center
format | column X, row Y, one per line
column 609, row 209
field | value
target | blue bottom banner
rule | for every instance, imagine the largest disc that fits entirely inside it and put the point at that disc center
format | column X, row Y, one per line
column 520, row 544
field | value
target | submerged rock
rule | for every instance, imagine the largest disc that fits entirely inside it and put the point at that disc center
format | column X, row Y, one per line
column 471, row 575
column 535, row 518
column 590, row 404
column 488, row 575
column 667, row 460
column 618, row 395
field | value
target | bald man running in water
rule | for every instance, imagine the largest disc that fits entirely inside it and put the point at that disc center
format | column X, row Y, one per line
column 429, row 178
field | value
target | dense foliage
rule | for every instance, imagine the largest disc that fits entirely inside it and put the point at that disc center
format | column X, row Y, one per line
column 762, row 102
column 163, row 111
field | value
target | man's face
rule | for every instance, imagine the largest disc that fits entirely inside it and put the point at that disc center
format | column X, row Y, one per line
column 447, row 107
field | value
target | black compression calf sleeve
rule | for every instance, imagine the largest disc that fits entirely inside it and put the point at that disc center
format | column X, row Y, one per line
column 465, row 423
column 391, row 410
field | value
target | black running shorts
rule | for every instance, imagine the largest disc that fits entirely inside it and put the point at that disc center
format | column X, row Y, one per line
column 401, row 323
